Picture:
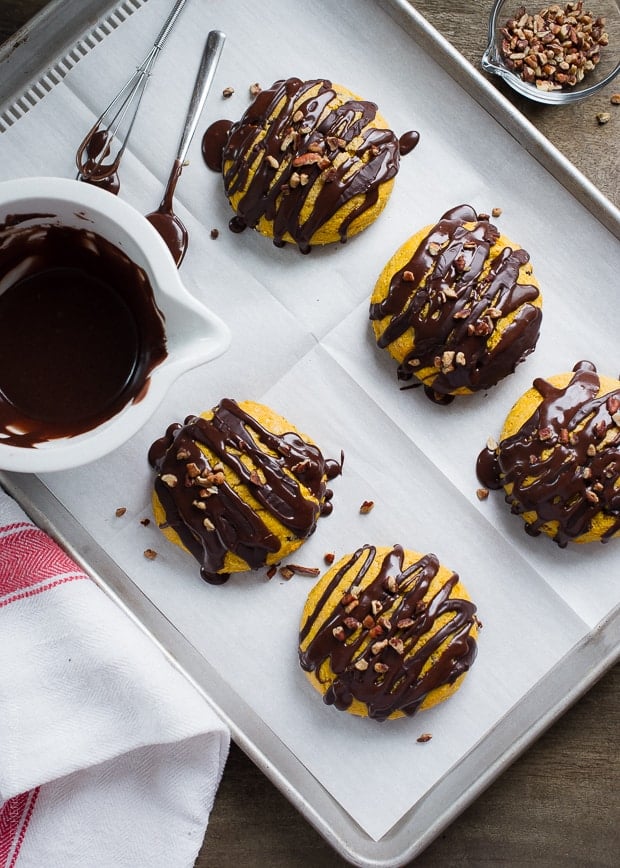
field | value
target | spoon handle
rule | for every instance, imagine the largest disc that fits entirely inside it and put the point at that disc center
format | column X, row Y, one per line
column 204, row 78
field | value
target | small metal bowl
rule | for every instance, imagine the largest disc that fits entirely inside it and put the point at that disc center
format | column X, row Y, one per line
column 608, row 67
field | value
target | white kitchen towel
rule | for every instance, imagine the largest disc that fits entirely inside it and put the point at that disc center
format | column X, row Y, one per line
column 108, row 756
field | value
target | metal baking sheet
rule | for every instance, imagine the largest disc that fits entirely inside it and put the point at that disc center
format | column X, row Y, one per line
column 424, row 58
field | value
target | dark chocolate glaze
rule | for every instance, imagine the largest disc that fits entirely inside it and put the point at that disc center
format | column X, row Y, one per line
column 302, row 137
column 564, row 462
column 80, row 331
column 453, row 308
column 408, row 141
column 403, row 616
column 111, row 183
column 210, row 516
column 213, row 144
column 169, row 226
column 91, row 161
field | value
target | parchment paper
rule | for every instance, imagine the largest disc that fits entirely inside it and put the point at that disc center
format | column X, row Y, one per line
column 302, row 344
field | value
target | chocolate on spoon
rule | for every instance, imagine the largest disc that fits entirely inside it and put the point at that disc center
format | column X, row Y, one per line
column 169, row 226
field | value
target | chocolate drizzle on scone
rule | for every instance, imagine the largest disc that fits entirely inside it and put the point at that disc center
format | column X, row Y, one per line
column 388, row 642
column 456, row 302
column 298, row 155
column 284, row 474
column 564, row 462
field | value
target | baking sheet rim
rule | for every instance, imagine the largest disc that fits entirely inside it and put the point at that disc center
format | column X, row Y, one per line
column 320, row 809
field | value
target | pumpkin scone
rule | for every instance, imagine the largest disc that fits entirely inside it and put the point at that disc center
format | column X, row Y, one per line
column 239, row 487
column 386, row 632
column 558, row 457
column 457, row 306
column 309, row 162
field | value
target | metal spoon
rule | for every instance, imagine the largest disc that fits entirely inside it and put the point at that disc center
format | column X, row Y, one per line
column 169, row 226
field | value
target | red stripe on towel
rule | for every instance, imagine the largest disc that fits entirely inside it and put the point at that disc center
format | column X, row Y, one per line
column 15, row 816
column 28, row 557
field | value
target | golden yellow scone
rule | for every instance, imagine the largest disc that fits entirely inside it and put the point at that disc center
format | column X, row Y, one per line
column 457, row 306
column 239, row 487
column 308, row 163
column 558, row 458
column 386, row 632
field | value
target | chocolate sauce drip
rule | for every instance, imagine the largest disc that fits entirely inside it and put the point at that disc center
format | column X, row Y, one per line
column 165, row 221
column 111, row 183
column 410, row 672
column 408, row 141
column 452, row 303
column 290, row 128
column 209, row 515
column 213, row 144
column 80, row 331
column 96, row 147
column 564, row 462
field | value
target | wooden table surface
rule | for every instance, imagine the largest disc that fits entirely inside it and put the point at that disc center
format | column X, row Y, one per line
column 559, row 804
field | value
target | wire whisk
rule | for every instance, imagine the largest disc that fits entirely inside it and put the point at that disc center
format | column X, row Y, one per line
column 101, row 150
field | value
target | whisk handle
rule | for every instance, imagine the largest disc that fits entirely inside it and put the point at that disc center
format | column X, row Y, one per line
column 204, row 78
column 169, row 23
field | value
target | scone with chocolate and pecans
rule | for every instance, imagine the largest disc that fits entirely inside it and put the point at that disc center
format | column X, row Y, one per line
column 309, row 162
column 457, row 306
column 386, row 632
column 558, row 457
column 239, row 487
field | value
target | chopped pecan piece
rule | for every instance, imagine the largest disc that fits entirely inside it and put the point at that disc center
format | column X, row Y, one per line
column 352, row 623
column 397, row 644
column 300, row 570
column 405, row 623
column 307, row 159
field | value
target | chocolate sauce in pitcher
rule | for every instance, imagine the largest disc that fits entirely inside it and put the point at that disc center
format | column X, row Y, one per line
column 79, row 331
